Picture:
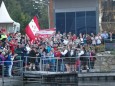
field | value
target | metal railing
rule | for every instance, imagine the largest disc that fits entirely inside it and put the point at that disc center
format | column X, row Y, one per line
column 109, row 44
column 70, row 64
column 15, row 68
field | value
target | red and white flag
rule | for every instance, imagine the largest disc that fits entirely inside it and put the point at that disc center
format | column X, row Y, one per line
column 32, row 28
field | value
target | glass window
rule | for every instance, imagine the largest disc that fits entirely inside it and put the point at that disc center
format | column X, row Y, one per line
column 70, row 22
column 60, row 22
column 80, row 22
column 76, row 22
column 91, row 22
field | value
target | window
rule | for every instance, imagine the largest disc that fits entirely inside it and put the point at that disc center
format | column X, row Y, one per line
column 70, row 22
column 76, row 22
column 60, row 22
column 80, row 22
column 91, row 22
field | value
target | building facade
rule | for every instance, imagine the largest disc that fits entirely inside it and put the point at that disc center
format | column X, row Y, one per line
column 76, row 16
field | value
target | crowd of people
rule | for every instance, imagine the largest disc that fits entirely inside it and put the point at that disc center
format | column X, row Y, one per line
column 67, row 51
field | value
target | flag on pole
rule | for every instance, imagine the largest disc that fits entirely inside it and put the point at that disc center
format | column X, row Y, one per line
column 32, row 28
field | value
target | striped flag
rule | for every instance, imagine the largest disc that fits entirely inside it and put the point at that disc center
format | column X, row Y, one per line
column 32, row 28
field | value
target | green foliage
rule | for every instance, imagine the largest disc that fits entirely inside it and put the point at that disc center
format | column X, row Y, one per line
column 43, row 17
column 23, row 11
column 100, row 48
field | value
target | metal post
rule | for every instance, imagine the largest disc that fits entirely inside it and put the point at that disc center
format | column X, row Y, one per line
column 48, row 15
column 79, row 69
column 63, row 65
column 25, row 63
column 21, row 68
column 43, row 65
column 3, row 73
column 89, row 64
column 40, row 64
column 57, row 65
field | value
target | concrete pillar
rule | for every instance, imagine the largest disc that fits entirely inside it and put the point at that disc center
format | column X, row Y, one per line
column 51, row 13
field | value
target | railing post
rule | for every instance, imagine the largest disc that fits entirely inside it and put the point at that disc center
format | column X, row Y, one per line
column 25, row 63
column 57, row 65
column 89, row 63
column 3, row 72
column 43, row 65
column 63, row 65
column 22, row 68
column 79, row 68
column 40, row 64
column 100, row 63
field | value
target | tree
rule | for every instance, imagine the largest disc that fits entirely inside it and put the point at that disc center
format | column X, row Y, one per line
column 23, row 11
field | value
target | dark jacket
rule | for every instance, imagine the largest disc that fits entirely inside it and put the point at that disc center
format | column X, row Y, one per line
column 74, row 54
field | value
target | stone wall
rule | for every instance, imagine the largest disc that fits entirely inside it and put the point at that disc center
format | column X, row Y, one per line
column 105, row 62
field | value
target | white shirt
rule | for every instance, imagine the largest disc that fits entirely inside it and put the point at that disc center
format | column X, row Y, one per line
column 72, row 52
column 28, row 49
column 64, row 53
column 81, row 53
column 93, row 40
column 81, row 39
column 65, row 42
column 98, row 38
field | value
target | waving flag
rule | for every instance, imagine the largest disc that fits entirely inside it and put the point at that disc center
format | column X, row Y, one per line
column 32, row 28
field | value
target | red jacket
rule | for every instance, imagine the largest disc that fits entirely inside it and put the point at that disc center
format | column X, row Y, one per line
column 57, row 54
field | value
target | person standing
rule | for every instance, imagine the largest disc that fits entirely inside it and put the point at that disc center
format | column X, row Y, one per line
column 9, row 63
column 64, row 54
column 72, row 60
column 32, row 59
column 92, row 59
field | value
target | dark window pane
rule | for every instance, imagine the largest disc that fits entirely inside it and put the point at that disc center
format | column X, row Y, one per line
column 60, row 22
column 70, row 22
column 80, row 22
column 91, row 22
